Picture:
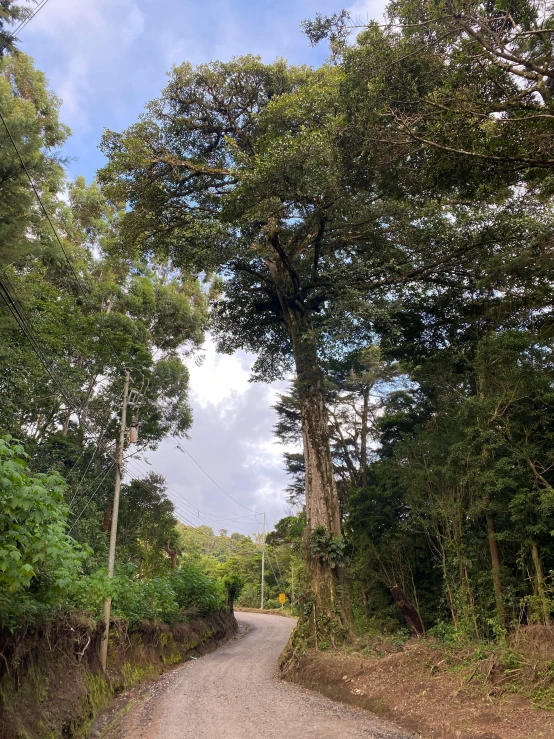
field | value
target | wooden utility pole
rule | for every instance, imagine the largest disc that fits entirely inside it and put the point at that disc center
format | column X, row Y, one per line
column 263, row 566
column 113, row 530
column 291, row 586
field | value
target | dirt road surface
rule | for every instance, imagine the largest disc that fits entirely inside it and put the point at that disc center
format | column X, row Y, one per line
column 234, row 693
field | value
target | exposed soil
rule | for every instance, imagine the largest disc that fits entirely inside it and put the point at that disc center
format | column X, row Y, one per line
column 52, row 685
column 417, row 689
column 270, row 611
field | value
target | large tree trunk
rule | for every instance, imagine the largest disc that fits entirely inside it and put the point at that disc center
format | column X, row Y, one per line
column 364, row 435
column 495, row 567
column 331, row 618
column 539, row 584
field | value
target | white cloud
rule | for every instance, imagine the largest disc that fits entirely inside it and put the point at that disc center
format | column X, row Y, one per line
column 83, row 41
column 364, row 11
column 94, row 24
column 220, row 377
column 232, row 439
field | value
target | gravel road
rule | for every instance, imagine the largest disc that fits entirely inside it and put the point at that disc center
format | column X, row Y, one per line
column 233, row 693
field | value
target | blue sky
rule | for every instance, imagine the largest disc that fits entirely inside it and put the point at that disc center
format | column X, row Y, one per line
column 105, row 59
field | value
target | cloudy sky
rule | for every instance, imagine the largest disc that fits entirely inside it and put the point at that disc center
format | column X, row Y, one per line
column 105, row 59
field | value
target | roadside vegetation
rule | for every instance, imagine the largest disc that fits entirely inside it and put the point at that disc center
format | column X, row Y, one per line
column 381, row 228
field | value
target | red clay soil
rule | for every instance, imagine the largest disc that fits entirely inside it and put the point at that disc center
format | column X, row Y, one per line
column 419, row 691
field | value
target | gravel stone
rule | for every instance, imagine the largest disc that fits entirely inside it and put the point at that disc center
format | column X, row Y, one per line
column 234, row 693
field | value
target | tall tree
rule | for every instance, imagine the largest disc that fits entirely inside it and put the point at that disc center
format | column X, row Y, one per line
column 237, row 168
column 30, row 112
column 458, row 97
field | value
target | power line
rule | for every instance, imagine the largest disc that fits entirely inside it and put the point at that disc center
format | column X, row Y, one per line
column 18, row 312
column 233, row 516
column 96, row 449
column 182, row 449
column 23, row 23
column 91, row 497
column 208, row 519
column 27, row 328
column 30, row 333
column 145, row 486
column 278, row 565
column 277, row 580
column 192, row 511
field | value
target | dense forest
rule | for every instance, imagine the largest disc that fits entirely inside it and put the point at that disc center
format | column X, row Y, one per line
column 381, row 228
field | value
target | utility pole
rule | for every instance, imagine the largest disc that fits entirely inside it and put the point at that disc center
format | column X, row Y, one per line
column 263, row 566
column 113, row 530
column 291, row 586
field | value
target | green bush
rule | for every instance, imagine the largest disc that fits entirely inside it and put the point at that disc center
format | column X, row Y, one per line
column 151, row 599
column 196, row 592
column 38, row 560
column 186, row 591
column 41, row 566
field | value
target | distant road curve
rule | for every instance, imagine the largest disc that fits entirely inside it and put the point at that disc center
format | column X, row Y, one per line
column 233, row 693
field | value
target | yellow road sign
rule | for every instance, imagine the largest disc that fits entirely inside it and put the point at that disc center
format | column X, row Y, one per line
column 282, row 597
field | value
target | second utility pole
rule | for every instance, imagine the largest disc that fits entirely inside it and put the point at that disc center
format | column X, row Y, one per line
column 291, row 586
column 113, row 530
column 263, row 566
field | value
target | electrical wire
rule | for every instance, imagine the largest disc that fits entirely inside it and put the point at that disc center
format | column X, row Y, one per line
column 19, row 316
column 83, row 476
column 208, row 520
column 182, row 449
column 211, row 519
column 145, row 487
column 23, row 23
column 231, row 515
column 91, row 497
column 278, row 565
column 279, row 583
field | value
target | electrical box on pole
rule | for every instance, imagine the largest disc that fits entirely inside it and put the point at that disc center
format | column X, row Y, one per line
column 133, row 430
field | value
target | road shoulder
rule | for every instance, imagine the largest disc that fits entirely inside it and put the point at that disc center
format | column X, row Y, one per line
column 419, row 691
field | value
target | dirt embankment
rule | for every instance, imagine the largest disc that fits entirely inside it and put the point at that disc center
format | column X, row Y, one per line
column 51, row 684
column 440, row 693
column 269, row 611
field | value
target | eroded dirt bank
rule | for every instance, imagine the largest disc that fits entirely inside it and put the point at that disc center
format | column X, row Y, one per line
column 419, row 690
column 235, row 693
column 51, row 684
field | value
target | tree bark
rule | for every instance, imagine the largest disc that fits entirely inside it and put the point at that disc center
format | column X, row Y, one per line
column 364, row 435
column 409, row 611
column 331, row 604
column 495, row 567
column 107, row 518
column 66, row 422
column 539, row 584
column 172, row 554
